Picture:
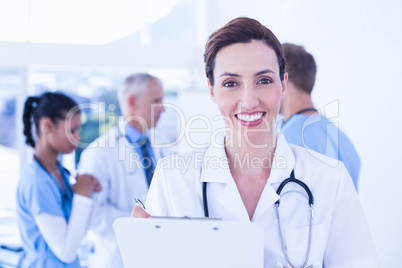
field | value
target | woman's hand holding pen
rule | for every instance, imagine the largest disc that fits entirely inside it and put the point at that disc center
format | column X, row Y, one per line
column 139, row 212
column 86, row 184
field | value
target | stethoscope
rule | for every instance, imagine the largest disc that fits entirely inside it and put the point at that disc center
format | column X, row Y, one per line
column 277, row 203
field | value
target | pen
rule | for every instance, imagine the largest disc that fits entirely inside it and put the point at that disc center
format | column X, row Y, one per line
column 138, row 202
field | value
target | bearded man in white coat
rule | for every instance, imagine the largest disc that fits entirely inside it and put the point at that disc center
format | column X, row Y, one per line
column 123, row 160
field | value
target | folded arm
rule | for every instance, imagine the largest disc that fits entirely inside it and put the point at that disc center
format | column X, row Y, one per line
column 64, row 238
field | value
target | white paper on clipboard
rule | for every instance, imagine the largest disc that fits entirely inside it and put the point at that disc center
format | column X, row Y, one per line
column 184, row 243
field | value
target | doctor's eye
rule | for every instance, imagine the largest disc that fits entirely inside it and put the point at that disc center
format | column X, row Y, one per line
column 265, row 81
column 229, row 84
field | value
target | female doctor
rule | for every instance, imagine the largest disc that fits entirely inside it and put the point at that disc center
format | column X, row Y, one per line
column 241, row 176
column 52, row 214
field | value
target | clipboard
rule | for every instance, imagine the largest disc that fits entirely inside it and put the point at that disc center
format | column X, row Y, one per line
column 182, row 243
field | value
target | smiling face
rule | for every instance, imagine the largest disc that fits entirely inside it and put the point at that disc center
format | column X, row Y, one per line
column 248, row 89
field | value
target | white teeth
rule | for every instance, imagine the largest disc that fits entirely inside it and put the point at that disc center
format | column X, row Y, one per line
column 249, row 118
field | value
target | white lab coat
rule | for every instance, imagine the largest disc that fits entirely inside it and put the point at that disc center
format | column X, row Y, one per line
column 340, row 238
column 117, row 166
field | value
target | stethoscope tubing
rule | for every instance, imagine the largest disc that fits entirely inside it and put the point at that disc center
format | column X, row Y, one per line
column 277, row 203
column 302, row 184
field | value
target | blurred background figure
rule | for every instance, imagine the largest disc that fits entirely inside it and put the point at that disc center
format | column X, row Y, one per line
column 124, row 160
column 303, row 125
column 52, row 214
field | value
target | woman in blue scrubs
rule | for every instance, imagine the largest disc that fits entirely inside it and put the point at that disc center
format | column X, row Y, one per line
column 52, row 214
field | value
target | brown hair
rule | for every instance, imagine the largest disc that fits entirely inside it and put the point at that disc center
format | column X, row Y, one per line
column 240, row 30
column 301, row 67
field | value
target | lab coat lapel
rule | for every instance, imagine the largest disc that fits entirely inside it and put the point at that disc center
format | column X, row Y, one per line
column 129, row 159
column 220, row 173
column 230, row 198
column 267, row 199
column 285, row 162
column 282, row 165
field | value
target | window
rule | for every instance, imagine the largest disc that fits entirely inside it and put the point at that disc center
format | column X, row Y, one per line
column 9, row 155
column 96, row 92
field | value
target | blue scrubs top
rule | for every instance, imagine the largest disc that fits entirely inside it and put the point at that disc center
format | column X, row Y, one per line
column 38, row 192
column 319, row 134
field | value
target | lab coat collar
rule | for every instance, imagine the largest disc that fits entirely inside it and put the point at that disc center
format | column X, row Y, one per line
column 216, row 166
column 216, row 169
column 285, row 161
column 283, row 164
column 126, row 130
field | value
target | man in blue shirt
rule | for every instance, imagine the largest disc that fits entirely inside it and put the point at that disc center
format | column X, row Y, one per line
column 303, row 125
